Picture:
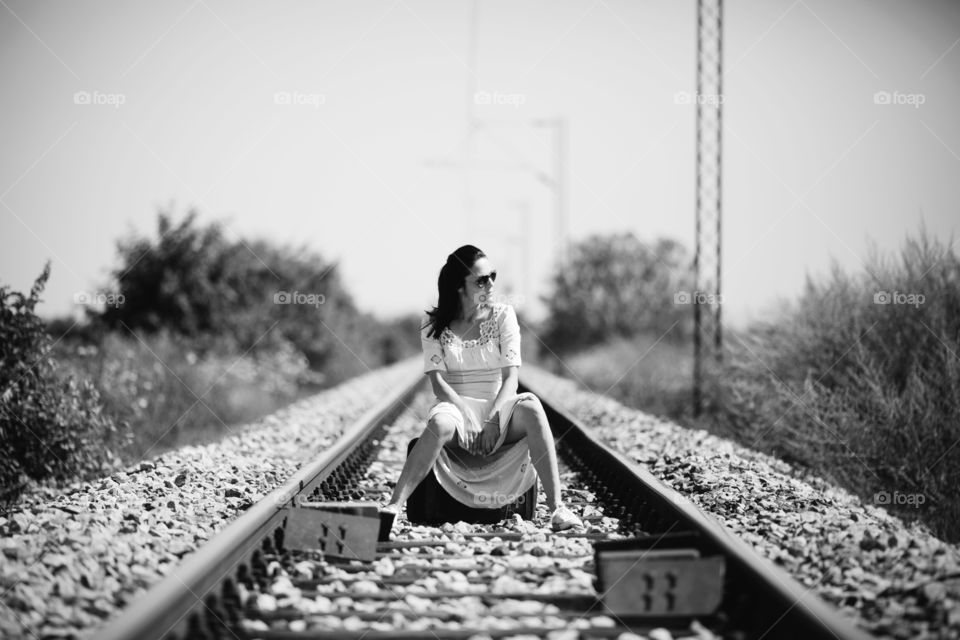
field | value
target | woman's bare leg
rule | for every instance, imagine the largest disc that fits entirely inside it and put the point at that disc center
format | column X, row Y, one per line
column 439, row 430
column 530, row 420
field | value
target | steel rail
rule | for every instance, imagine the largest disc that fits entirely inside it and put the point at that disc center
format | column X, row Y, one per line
column 769, row 602
column 167, row 608
column 761, row 600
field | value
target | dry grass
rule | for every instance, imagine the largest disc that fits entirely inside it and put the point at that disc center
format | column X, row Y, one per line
column 171, row 396
column 643, row 372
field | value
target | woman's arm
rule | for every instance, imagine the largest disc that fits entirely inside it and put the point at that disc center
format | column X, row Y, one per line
column 443, row 390
column 509, row 359
column 507, row 388
column 509, row 365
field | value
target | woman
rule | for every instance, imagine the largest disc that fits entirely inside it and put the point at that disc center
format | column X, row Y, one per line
column 480, row 434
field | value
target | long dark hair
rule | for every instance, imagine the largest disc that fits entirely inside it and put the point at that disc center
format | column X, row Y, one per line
column 452, row 274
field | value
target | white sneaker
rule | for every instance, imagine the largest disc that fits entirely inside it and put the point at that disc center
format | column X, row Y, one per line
column 562, row 518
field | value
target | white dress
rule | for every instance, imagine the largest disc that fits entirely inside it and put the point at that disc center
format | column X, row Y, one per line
column 473, row 369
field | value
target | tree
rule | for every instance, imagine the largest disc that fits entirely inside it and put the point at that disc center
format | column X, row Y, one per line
column 616, row 285
column 194, row 281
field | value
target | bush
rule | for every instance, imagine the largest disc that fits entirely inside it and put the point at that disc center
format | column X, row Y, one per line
column 863, row 392
column 51, row 426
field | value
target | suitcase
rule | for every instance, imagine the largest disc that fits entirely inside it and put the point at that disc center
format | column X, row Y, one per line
column 430, row 504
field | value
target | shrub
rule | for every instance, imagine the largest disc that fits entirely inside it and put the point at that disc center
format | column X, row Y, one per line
column 51, row 426
column 864, row 392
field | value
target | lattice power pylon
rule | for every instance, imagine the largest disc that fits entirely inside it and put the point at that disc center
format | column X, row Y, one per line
column 708, row 337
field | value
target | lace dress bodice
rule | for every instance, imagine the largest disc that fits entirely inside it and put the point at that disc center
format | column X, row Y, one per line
column 477, row 361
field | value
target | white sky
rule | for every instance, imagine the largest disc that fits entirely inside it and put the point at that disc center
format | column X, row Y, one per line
column 813, row 166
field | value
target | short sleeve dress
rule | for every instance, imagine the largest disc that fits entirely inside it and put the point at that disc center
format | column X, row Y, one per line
column 473, row 369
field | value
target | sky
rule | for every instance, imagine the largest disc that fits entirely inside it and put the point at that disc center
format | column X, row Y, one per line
column 342, row 126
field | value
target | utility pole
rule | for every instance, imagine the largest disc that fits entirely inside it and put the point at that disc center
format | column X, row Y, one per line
column 471, row 116
column 520, row 241
column 707, row 337
column 558, row 184
column 559, row 163
column 525, row 231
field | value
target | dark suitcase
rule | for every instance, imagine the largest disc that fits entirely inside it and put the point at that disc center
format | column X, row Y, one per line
column 430, row 504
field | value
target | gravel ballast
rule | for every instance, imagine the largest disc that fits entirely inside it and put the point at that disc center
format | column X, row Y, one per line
column 455, row 582
column 72, row 558
column 895, row 580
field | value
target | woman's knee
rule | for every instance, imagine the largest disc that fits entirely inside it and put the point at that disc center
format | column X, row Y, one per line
column 530, row 410
column 442, row 426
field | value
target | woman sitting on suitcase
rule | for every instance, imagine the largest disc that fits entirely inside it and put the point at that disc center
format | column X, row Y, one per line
column 480, row 434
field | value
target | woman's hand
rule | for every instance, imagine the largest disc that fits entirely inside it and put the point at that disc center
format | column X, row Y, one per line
column 472, row 431
column 488, row 437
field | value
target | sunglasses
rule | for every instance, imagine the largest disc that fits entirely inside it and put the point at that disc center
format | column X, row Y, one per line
column 487, row 280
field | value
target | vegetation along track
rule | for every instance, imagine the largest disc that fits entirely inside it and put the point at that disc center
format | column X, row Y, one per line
column 461, row 580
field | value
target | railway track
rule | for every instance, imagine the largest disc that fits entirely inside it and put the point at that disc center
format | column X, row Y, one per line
column 514, row 578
